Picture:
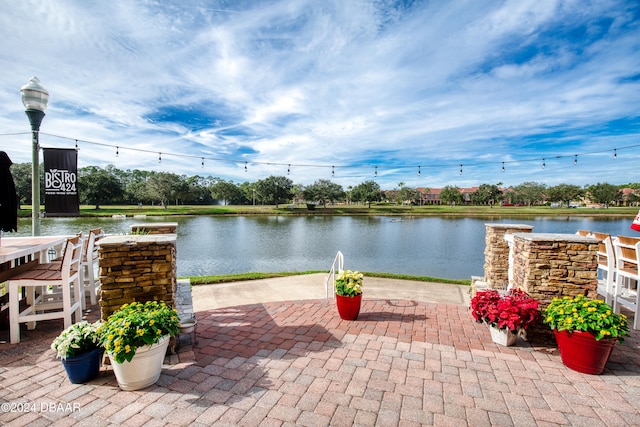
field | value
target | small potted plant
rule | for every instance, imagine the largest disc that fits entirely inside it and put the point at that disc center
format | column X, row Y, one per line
column 78, row 347
column 586, row 330
column 348, row 287
column 507, row 314
column 136, row 338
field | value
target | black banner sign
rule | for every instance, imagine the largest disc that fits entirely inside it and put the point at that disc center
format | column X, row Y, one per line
column 61, row 196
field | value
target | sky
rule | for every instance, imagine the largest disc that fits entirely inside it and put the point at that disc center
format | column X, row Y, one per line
column 424, row 93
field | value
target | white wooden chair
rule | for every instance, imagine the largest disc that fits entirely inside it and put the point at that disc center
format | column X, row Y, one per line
column 627, row 251
column 606, row 266
column 41, row 304
column 90, row 282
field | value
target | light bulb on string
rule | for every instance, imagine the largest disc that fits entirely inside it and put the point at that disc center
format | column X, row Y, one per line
column 289, row 169
column 543, row 164
column 333, row 171
column 575, row 159
column 202, row 164
column 245, row 166
column 615, row 154
column 375, row 173
column 419, row 173
column 76, row 145
column 159, row 157
column 460, row 168
column 502, row 166
column 117, row 151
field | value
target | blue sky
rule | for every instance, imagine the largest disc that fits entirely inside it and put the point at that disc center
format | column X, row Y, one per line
column 346, row 90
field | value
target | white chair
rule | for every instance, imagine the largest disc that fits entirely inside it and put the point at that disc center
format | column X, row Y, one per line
column 90, row 282
column 606, row 266
column 627, row 252
column 42, row 304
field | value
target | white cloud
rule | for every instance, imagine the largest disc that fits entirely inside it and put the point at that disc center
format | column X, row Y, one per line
column 359, row 83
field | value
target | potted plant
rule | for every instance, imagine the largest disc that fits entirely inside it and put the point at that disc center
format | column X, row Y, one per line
column 507, row 314
column 348, row 287
column 586, row 330
column 136, row 338
column 78, row 347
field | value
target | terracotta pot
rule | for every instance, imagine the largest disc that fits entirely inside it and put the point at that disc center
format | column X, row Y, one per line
column 348, row 307
column 581, row 352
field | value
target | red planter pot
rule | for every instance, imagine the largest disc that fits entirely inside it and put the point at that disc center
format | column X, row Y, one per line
column 348, row 307
column 581, row 352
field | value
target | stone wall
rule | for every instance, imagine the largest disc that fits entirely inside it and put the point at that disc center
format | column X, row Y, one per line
column 155, row 228
column 136, row 268
column 554, row 265
column 496, row 253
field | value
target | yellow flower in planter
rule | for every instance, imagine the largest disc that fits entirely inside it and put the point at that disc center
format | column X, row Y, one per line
column 586, row 315
column 136, row 325
column 349, row 283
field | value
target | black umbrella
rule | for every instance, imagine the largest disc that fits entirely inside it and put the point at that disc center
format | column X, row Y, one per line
column 8, row 196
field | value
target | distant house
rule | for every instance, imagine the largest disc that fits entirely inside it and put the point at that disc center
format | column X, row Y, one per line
column 431, row 196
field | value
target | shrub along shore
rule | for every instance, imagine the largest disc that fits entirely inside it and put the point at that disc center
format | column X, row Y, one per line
column 354, row 209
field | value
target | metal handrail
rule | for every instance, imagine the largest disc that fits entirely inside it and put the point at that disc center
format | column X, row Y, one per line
column 339, row 259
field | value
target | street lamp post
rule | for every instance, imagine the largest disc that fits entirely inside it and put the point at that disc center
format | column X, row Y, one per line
column 35, row 99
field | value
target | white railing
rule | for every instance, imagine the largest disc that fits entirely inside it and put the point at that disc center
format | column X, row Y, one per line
column 331, row 278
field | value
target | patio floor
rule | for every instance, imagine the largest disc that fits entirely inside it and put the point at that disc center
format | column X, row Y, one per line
column 297, row 363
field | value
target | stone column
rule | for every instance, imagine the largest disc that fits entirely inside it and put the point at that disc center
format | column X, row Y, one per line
column 554, row 265
column 496, row 253
column 154, row 228
column 136, row 268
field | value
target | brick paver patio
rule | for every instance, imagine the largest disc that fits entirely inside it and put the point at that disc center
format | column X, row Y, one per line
column 296, row 363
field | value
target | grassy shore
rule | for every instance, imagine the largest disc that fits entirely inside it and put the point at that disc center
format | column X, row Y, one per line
column 208, row 280
column 375, row 209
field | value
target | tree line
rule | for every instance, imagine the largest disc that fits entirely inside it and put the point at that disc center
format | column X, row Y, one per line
column 112, row 186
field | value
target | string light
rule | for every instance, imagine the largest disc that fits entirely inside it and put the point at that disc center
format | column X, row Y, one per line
column 245, row 166
column 117, row 151
column 502, row 166
column 333, row 171
column 202, row 162
column 419, row 171
column 289, row 169
column 237, row 161
column 575, row 159
column 460, row 168
column 376, row 171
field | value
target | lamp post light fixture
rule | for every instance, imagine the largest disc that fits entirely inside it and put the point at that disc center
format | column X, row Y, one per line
column 35, row 99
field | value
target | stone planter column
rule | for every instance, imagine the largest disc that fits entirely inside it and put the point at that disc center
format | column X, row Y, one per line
column 496, row 253
column 154, row 228
column 547, row 265
column 136, row 268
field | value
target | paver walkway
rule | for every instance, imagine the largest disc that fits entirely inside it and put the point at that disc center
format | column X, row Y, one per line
column 296, row 363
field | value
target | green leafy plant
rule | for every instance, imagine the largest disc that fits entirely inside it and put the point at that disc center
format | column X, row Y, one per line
column 349, row 283
column 514, row 310
column 135, row 325
column 587, row 315
column 77, row 339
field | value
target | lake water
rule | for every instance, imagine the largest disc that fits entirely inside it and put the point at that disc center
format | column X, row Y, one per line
column 424, row 246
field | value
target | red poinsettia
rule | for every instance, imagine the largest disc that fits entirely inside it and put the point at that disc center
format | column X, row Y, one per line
column 513, row 311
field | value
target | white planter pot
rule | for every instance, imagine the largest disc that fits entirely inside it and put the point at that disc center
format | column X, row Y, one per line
column 502, row 336
column 145, row 367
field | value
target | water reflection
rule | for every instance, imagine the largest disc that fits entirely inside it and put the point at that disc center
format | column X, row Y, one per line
column 429, row 246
